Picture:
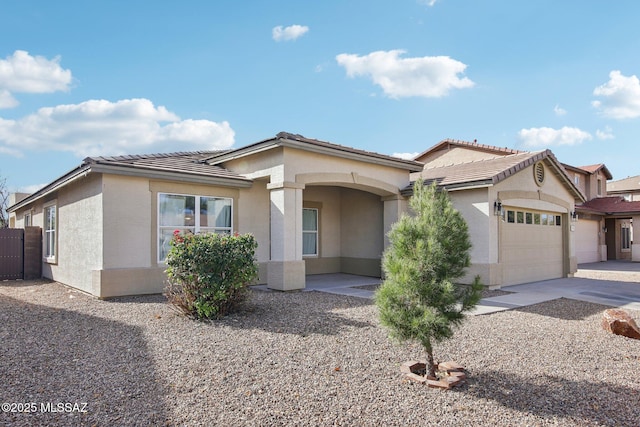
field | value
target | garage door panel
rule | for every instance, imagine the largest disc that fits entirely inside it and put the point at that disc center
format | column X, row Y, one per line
column 586, row 235
column 531, row 252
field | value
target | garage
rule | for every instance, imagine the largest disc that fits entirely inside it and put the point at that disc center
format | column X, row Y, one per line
column 532, row 246
column 586, row 235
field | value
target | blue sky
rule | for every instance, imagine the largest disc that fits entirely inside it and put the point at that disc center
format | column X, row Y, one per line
column 85, row 78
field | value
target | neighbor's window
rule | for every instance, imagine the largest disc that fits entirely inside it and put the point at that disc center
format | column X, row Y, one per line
column 191, row 214
column 309, row 232
column 50, row 232
column 27, row 219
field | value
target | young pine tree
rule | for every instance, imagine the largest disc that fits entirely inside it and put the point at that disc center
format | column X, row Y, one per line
column 419, row 299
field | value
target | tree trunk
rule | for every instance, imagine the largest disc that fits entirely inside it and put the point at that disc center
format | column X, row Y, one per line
column 431, row 367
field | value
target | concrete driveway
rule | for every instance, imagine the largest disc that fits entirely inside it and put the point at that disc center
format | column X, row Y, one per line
column 612, row 283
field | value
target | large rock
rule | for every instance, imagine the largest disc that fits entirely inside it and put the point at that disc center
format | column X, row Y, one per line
column 620, row 322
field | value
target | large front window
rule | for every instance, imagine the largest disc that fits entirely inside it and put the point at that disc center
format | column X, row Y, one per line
column 50, row 233
column 191, row 214
column 309, row 232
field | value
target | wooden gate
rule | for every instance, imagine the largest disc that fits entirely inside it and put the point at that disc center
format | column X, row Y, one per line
column 20, row 253
column 11, row 253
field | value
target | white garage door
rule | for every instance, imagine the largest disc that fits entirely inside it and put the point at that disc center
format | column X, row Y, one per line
column 586, row 235
column 531, row 246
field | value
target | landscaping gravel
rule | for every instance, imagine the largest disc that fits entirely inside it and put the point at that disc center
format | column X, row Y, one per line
column 303, row 359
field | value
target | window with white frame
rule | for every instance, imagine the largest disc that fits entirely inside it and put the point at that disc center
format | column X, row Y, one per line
column 50, row 226
column 625, row 237
column 191, row 214
column 27, row 219
column 309, row 232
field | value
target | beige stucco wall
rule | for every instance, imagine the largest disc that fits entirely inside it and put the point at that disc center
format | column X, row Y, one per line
column 474, row 207
column 253, row 217
column 79, row 232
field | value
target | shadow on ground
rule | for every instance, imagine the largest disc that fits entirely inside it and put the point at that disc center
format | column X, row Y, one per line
column 107, row 362
column 553, row 398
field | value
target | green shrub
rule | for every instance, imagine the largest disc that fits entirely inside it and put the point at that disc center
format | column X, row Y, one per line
column 419, row 299
column 209, row 274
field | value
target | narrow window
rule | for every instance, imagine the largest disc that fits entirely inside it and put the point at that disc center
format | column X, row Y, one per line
column 27, row 219
column 520, row 217
column 536, row 218
column 529, row 217
column 558, row 222
column 309, row 232
column 50, row 232
column 625, row 237
column 599, row 187
column 511, row 216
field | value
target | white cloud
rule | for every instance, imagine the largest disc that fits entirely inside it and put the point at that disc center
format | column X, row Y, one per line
column 621, row 96
column 7, row 100
column 607, row 133
column 99, row 127
column 427, row 2
column 291, row 32
column 23, row 73
column 406, row 156
column 428, row 76
column 559, row 111
column 547, row 137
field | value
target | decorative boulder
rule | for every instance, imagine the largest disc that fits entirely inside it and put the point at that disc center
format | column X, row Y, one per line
column 619, row 322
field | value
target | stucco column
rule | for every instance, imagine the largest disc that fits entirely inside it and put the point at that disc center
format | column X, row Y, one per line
column 286, row 269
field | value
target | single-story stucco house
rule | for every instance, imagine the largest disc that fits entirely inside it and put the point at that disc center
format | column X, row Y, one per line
column 314, row 207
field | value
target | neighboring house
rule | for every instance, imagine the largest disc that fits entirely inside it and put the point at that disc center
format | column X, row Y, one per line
column 604, row 230
column 628, row 188
column 519, row 207
column 314, row 207
column 591, row 245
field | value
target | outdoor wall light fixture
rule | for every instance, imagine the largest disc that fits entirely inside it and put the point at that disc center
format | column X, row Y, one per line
column 497, row 208
column 574, row 216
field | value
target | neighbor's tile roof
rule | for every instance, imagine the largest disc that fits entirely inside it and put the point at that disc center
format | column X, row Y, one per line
column 188, row 162
column 610, row 205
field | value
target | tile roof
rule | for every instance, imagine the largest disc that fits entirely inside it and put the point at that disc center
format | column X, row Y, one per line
column 179, row 164
column 591, row 169
column 610, row 205
column 315, row 145
column 491, row 171
column 188, row 162
column 473, row 145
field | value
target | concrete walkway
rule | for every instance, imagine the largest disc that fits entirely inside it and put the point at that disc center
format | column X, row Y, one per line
column 612, row 283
